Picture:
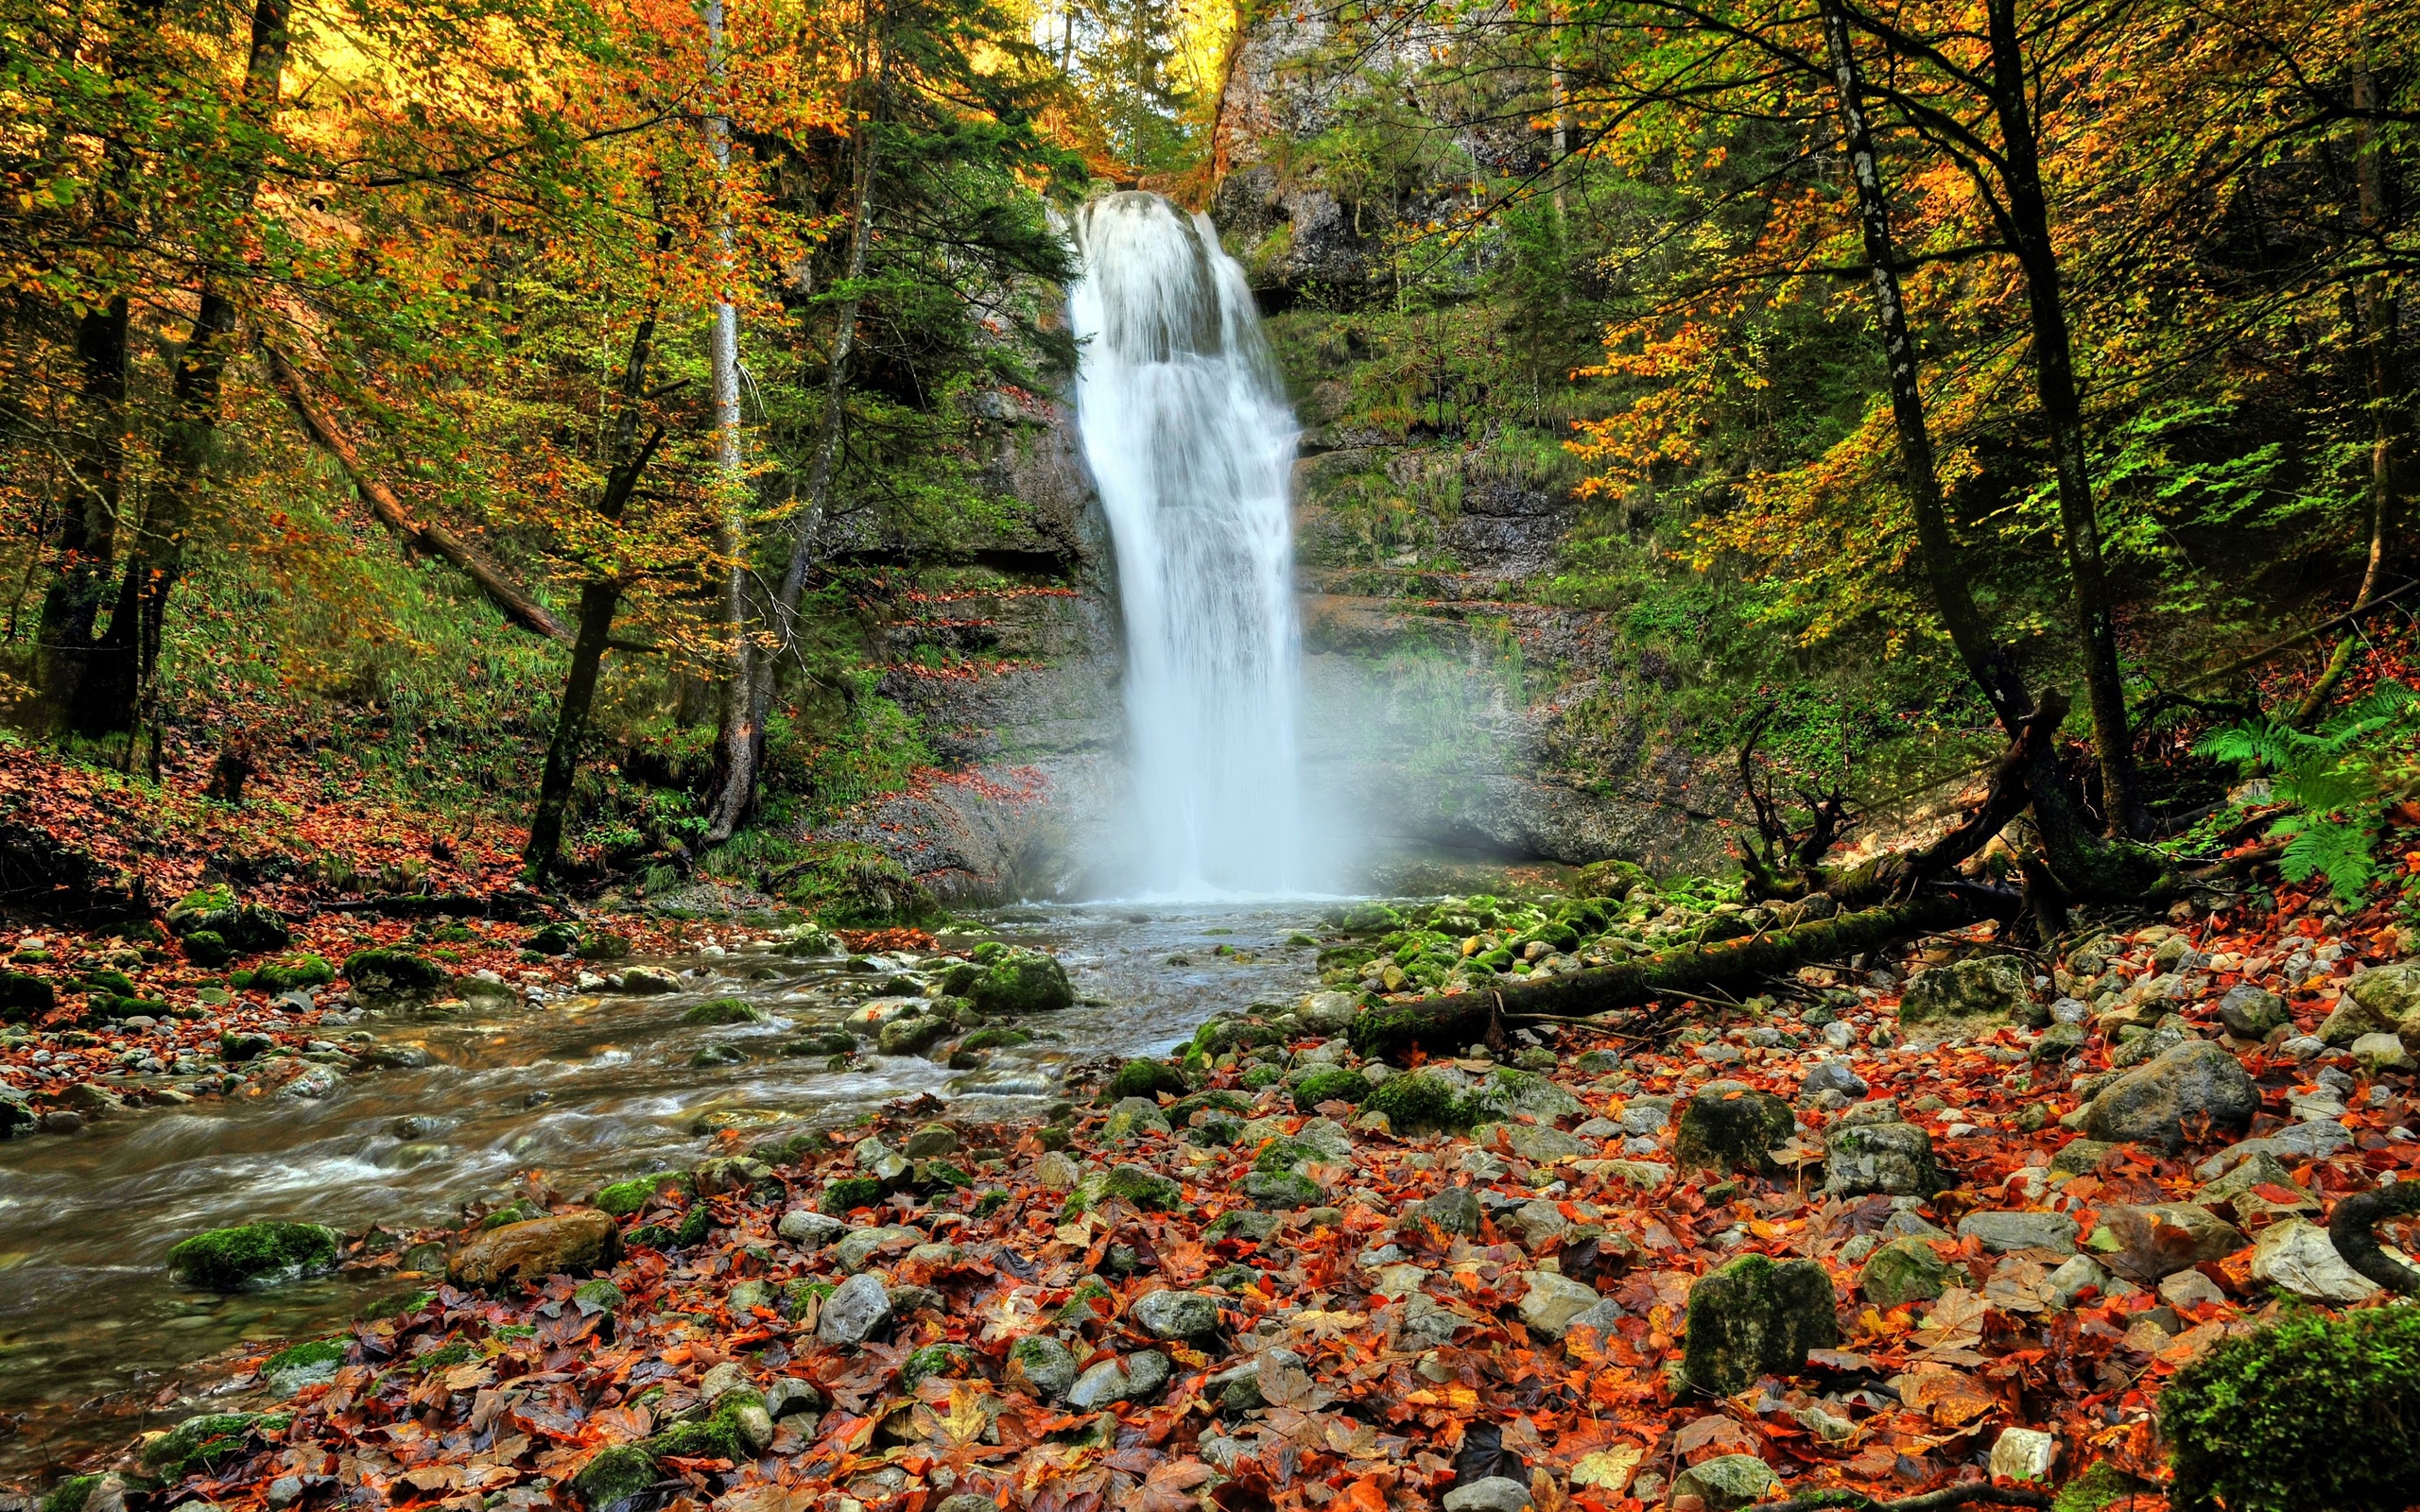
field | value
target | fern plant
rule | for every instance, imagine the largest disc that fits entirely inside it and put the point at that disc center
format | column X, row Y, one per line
column 2340, row 779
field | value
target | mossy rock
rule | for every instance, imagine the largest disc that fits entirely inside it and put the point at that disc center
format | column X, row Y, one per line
column 1903, row 1271
column 240, row 926
column 720, row 1011
column 1138, row 1185
column 907, row 1035
column 1417, row 1104
column 1338, row 1084
column 207, row 1441
column 695, row 1226
column 23, row 996
column 995, row 1039
column 1143, row 1079
column 521, row 1209
column 392, row 975
column 70, row 1494
column 293, row 973
column 599, row 946
column 1368, row 918
column 2097, row 1489
column 1024, row 982
column 2316, row 1411
column 302, row 1364
column 253, row 1254
column 623, row 1198
column 1729, row 1127
column 848, row 1195
column 948, row 1361
column 1612, row 879
column 207, row 947
column 613, row 1475
column 1753, row 1318
column 553, row 939
column 1281, row 1190
column 715, row 1437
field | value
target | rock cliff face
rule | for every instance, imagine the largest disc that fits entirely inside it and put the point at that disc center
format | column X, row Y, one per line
column 1014, row 683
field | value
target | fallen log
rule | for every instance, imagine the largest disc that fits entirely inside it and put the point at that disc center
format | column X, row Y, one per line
column 2351, row 1230
column 512, row 908
column 507, row 596
column 1465, row 1018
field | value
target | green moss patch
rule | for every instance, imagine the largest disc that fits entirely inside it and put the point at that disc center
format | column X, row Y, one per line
column 2317, row 1412
column 254, row 1255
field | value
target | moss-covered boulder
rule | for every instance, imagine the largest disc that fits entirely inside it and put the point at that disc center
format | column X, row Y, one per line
column 1041, row 1366
column 1338, row 1084
column 1980, row 990
column 1903, row 1271
column 1730, row 1127
column 393, row 977
column 2316, row 1411
column 1143, row 1079
column 1021, row 982
column 848, row 1195
column 23, row 996
column 1753, row 1318
column 614, row 1474
column 253, row 1254
column 1417, row 1104
column 947, row 1361
column 309, row 1364
column 206, row 1441
column 1611, row 880
column 717, row 1012
column 913, row 1034
column 291, row 975
column 623, row 1198
column 1136, row 1185
column 240, row 926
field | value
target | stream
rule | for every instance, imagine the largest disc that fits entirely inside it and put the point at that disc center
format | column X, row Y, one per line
column 586, row 1089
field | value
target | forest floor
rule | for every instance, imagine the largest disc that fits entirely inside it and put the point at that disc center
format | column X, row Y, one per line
column 1224, row 1293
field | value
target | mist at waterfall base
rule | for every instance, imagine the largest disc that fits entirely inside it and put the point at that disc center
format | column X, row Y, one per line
column 1184, row 424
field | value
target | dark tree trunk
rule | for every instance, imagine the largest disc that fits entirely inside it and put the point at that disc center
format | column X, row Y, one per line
column 2028, row 222
column 1987, row 660
column 87, row 530
column 599, row 598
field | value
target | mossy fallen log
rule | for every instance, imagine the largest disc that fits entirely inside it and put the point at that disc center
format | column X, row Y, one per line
column 1466, row 1017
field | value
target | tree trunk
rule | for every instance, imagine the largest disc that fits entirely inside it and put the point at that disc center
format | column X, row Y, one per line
column 509, row 597
column 737, row 743
column 1466, row 1017
column 2379, row 316
column 598, row 599
column 2029, row 224
column 125, row 661
column 88, row 527
column 752, row 690
column 1987, row 660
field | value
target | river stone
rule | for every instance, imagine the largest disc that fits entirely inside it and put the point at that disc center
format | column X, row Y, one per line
column 1455, row 1210
column 1979, row 989
column 1242, row 1390
column 1490, row 1493
column 2024, row 1454
column 1724, row 1132
column 861, row 1305
column 1281, row 1190
column 1506, row 1092
column 2236, row 1188
column 1896, row 1159
column 2081, row 1156
column 2381, row 1052
column 1242, row 1223
column 1329, row 1012
column 639, row 981
column 1112, row 1380
column 1833, row 1076
column 1753, row 1318
column 1903, row 1271
column 2161, row 1238
column 1327, row 1139
column 564, row 1244
column 1041, row 1366
column 2298, row 1258
column 253, row 1254
column 1554, row 1302
column 808, row 1229
column 1540, row 1142
column 930, row 1140
column 2002, row 1233
column 1021, row 982
column 2074, row 1275
column 1133, row 1116
column 1727, row 1482
column 2250, row 1013
column 857, row 1249
column 2197, row 1083
column 1174, row 1314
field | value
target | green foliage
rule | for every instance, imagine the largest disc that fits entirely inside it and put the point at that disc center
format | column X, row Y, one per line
column 2340, row 779
column 2268, row 1423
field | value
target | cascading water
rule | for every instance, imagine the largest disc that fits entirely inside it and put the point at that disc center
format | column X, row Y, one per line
column 1186, row 425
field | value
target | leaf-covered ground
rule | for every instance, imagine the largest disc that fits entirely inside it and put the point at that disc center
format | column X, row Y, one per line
column 1378, row 1317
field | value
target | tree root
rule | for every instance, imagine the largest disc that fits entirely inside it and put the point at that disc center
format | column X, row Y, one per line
column 2350, row 1229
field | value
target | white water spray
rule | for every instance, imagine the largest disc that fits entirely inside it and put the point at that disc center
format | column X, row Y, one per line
column 1185, row 425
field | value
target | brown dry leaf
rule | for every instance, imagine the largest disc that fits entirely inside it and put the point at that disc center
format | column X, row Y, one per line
column 1949, row 1397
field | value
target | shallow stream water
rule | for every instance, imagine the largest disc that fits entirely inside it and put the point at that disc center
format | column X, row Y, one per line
column 586, row 1088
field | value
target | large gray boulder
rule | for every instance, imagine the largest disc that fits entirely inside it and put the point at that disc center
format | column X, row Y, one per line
column 1894, row 1157
column 1174, row 1314
column 2002, row 1233
column 2193, row 1089
column 850, row 1315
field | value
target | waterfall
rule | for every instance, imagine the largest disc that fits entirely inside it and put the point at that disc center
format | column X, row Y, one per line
column 1186, row 425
